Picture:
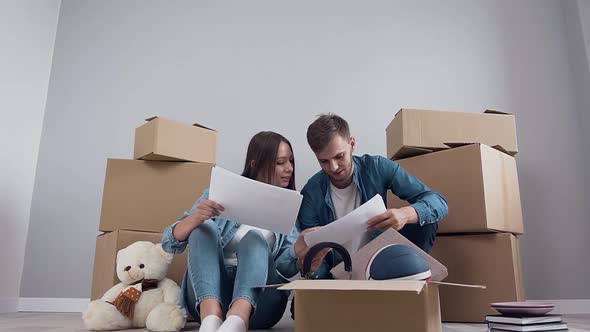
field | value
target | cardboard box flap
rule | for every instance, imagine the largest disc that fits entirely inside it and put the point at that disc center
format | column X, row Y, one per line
column 487, row 111
column 501, row 149
column 415, row 286
column 204, row 127
column 496, row 147
column 194, row 124
column 129, row 229
column 497, row 112
column 410, row 151
column 398, row 111
column 454, row 284
column 458, row 144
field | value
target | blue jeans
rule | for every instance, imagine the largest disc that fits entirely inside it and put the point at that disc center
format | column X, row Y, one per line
column 422, row 236
column 209, row 278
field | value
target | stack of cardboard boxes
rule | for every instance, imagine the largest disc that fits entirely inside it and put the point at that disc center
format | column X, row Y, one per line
column 469, row 159
column 171, row 168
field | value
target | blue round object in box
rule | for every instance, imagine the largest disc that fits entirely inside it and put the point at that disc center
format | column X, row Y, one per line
column 397, row 261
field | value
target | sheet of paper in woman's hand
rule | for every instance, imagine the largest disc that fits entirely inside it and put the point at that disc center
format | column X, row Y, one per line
column 349, row 226
column 253, row 202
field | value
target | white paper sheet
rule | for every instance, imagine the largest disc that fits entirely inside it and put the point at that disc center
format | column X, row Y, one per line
column 348, row 227
column 253, row 202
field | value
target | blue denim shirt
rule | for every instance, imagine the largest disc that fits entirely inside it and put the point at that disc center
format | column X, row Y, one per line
column 285, row 262
column 372, row 175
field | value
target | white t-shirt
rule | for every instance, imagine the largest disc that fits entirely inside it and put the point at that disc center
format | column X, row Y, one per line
column 345, row 201
column 229, row 251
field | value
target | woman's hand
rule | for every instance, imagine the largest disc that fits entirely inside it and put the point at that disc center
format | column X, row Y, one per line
column 206, row 210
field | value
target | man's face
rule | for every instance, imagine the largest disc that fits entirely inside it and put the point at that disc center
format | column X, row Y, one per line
column 336, row 160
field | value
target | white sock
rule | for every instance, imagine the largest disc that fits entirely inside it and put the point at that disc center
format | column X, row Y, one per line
column 210, row 324
column 233, row 323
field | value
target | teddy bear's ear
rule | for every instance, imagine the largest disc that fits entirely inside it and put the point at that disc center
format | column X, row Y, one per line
column 164, row 254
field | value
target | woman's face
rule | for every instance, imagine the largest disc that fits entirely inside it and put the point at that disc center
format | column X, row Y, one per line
column 283, row 166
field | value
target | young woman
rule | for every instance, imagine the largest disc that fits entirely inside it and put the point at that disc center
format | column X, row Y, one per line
column 227, row 260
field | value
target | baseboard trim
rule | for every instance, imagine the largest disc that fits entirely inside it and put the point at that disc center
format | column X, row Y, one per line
column 42, row 304
column 79, row 305
column 8, row 304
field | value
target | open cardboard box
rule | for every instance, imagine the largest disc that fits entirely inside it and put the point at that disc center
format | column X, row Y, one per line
column 371, row 305
column 365, row 305
column 168, row 140
column 368, row 305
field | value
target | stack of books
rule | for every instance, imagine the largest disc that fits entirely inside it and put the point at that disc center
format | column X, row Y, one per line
column 501, row 323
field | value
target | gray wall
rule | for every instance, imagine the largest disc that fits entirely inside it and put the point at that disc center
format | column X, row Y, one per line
column 27, row 33
column 577, row 15
column 584, row 11
column 245, row 67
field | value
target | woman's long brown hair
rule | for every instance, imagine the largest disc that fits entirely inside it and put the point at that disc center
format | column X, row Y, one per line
column 262, row 150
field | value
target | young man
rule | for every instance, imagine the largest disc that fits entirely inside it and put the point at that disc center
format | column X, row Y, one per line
column 347, row 181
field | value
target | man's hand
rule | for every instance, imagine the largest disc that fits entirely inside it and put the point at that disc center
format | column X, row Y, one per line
column 301, row 249
column 393, row 218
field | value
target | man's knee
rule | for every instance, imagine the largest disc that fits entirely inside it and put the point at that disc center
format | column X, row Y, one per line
column 422, row 236
column 429, row 236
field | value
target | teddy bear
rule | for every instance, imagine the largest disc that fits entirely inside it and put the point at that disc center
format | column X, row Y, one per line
column 143, row 298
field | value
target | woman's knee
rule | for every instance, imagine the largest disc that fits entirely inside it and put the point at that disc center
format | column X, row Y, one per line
column 207, row 230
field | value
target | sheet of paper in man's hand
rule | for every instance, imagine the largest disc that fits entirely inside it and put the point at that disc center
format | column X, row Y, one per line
column 349, row 226
column 253, row 202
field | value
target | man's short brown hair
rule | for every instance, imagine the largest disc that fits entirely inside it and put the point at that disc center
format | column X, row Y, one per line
column 324, row 128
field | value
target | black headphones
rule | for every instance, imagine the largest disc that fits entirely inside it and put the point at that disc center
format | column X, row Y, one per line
column 313, row 251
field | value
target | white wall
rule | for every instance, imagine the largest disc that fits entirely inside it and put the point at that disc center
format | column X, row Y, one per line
column 242, row 67
column 27, row 33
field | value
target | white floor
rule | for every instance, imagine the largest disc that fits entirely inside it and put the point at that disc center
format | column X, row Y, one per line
column 61, row 322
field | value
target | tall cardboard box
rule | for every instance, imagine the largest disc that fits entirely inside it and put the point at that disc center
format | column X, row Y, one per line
column 149, row 195
column 365, row 305
column 479, row 183
column 413, row 132
column 168, row 140
column 107, row 245
column 492, row 260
